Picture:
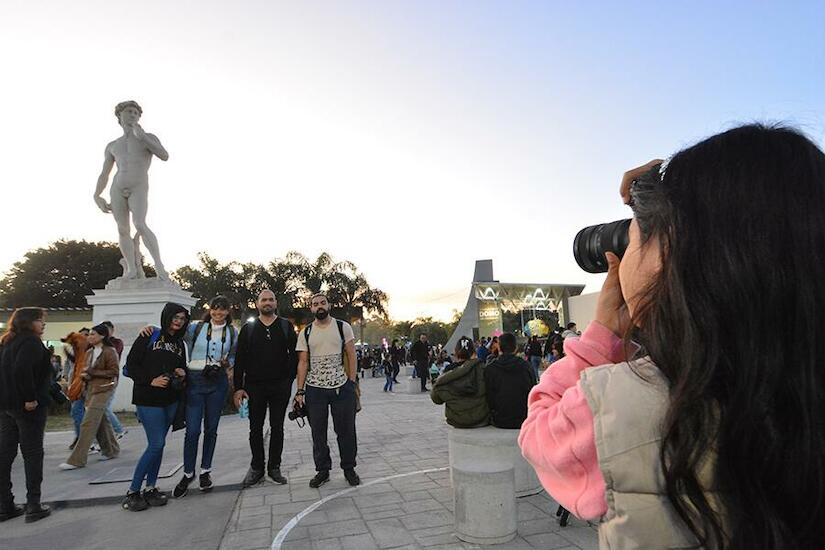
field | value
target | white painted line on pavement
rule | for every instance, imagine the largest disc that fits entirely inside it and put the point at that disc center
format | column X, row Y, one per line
column 290, row 525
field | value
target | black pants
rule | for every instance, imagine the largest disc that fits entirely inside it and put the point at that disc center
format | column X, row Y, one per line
column 25, row 429
column 423, row 373
column 395, row 370
column 341, row 402
column 274, row 396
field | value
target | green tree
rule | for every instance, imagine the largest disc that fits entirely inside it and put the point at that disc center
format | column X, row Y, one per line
column 61, row 274
column 436, row 331
column 212, row 278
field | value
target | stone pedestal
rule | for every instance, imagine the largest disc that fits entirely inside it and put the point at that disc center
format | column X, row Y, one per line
column 408, row 370
column 412, row 385
column 494, row 444
column 131, row 304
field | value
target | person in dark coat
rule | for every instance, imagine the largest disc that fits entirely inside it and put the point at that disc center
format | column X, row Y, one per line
column 25, row 377
column 420, row 353
column 508, row 380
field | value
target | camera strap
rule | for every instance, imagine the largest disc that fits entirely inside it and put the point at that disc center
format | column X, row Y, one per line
column 209, row 339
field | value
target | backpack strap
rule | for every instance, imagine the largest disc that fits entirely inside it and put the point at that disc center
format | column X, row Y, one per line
column 198, row 329
column 307, row 330
column 340, row 324
column 232, row 335
column 154, row 338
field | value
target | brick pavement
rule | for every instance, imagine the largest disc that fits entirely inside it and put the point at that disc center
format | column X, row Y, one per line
column 397, row 434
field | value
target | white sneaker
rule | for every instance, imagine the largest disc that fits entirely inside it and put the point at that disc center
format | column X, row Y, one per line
column 67, row 466
column 103, row 457
column 94, row 449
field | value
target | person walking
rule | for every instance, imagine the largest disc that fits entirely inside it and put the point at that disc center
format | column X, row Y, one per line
column 265, row 367
column 101, row 377
column 534, row 354
column 117, row 343
column 326, row 384
column 158, row 366
column 212, row 343
column 397, row 354
column 710, row 435
column 420, row 353
column 25, row 375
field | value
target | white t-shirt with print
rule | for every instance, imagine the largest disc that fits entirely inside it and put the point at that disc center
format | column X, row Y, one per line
column 326, row 363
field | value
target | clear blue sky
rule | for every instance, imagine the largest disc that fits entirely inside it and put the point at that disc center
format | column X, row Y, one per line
column 411, row 138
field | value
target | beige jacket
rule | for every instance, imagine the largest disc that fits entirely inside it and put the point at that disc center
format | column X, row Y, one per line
column 627, row 414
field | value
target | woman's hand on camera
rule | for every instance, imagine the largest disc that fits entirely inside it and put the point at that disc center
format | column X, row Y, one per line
column 161, row 381
column 611, row 310
column 631, row 175
column 181, row 373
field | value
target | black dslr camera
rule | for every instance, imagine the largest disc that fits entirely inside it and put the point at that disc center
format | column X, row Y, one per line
column 298, row 411
column 175, row 381
column 591, row 243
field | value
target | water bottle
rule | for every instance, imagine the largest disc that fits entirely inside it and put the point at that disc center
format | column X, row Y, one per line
column 243, row 411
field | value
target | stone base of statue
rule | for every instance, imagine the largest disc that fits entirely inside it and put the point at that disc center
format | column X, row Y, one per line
column 131, row 304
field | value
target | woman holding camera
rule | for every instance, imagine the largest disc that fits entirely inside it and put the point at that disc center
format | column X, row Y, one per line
column 212, row 343
column 712, row 435
column 157, row 364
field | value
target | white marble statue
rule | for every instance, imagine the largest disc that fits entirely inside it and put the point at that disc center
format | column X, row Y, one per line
column 132, row 152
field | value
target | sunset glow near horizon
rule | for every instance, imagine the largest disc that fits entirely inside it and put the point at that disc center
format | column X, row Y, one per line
column 411, row 139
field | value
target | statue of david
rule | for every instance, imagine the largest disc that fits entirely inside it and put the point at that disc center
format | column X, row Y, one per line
column 129, row 195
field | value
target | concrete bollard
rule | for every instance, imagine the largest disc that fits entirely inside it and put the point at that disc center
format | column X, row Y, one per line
column 497, row 443
column 485, row 502
column 408, row 370
column 413, row 385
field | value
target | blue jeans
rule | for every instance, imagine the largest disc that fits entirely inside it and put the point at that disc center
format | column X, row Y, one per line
column 388, row 384
column 535, row 362
column 113, row 419
column 204, row 402
column 156, row 422
column 77, row 411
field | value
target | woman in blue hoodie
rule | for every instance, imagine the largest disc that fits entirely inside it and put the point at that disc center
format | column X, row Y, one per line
column 158, row 366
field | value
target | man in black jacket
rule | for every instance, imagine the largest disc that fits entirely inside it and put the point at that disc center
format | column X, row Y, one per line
column 508, row 380
column 420, row 353
column 265, row 366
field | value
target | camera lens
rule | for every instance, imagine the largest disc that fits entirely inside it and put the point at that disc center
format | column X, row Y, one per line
column 592, row 242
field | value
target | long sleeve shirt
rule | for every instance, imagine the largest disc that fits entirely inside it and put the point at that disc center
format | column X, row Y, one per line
column 557, row 437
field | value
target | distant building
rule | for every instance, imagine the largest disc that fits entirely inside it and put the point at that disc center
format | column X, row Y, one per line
column 490, row 300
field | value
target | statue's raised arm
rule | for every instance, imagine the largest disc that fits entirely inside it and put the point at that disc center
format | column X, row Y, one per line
column 132, row 153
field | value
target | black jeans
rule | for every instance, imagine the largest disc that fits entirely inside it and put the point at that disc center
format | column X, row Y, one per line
column 341, row 402
column 25, row 429
column 423, row 373
column 274, row 396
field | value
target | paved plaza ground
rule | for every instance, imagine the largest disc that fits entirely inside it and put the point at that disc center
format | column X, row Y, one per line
column 405, row 501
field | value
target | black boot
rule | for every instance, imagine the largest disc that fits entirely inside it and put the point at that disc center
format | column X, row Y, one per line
column 183, row 486
column 205, row 482
column 153, row 497
column 10, row 511
column 319, row 479
column 352, row 478
column 253, row 477
column 35, row 512
column 275, row 475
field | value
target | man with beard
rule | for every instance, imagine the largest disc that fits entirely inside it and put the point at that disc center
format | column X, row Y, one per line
column 326, row 364
column 264, row 370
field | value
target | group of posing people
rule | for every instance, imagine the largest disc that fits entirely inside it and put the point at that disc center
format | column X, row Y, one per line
column 181, row 373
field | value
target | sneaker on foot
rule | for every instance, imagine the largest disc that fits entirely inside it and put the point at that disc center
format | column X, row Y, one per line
column 95, row 448
column 352, row 478
column 153, row 497
column 319, row 479
column 134, row 502
column 275, row 475
column 67, row 466
column 182, row 487
column 35, row 512
column 11, row 511
column 253, row 477
column 206, row 482
column 104, row 457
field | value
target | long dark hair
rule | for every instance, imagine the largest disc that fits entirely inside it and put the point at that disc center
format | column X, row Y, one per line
column 220, row 302
column 736, row 322
column 103, row 330
column 20, row 323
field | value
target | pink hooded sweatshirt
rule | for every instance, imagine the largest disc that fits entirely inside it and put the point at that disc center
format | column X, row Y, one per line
column 557, row 437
